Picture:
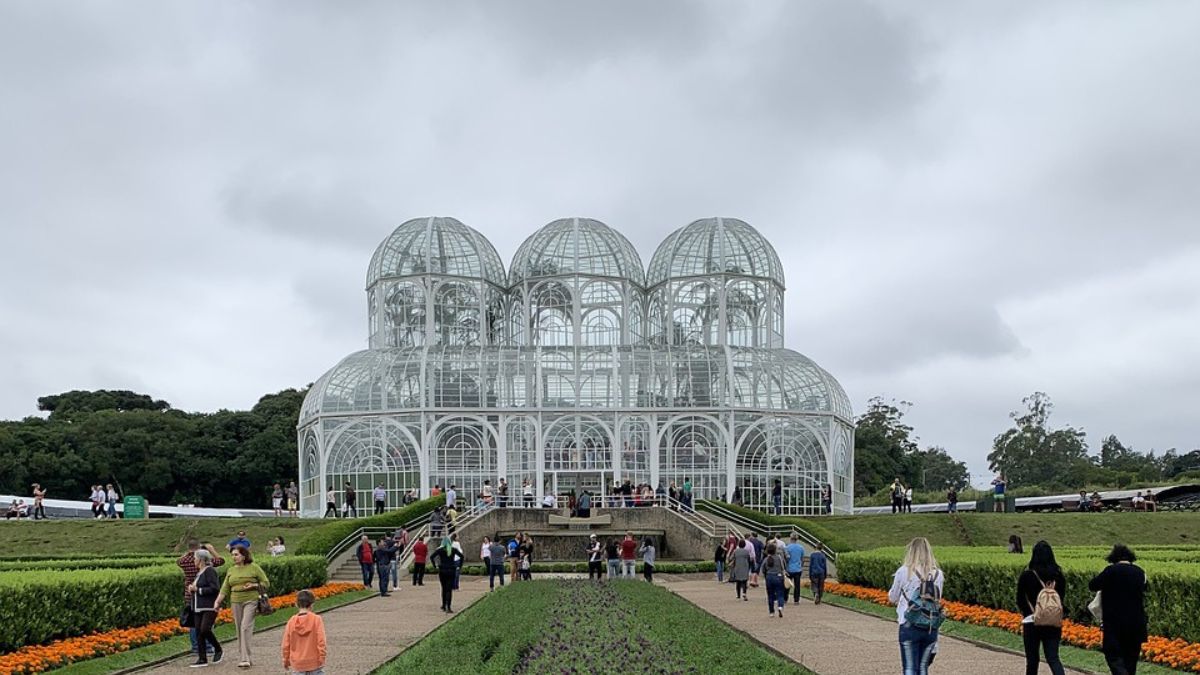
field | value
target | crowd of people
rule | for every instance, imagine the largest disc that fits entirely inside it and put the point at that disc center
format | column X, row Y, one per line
column 742, row 561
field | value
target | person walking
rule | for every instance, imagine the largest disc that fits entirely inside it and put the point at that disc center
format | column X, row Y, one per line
column 908, row 497
column 514, row 556
column 437, row 521
column 400, row 536
column 502, row 493
column 277, row 500
column 756, row 559
column 380, row 496
column 526, row 494
column 204, row 589
column 952, row 500
column 446, row 558
column 794, row 553
column 349, row 497
column 365, row 555
column 191, row 568
column 525, row 552
column 817, row 570
column 719, row 561
column 111, row 498
column 777, row 497
column 1122, row 588
column 304, row 639
column 739, row 569
column 917, row 586
column 496, row 551
column 39, row 497
column 594, row 551
column 687, row 494
column 774, row 568
column 452, row 497
column 628, row 556
column 647, row 551
column 97, row 502
column 584, row 506
column 1041, row 628
column 420, row 557
column 293, row 500
column 242, row 586
column 384, row 554
column 827, row 498
column 454, row 543
column 612, row 554
column 330, row 503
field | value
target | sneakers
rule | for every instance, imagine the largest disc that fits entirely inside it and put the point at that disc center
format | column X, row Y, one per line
column 244, row 664
column 781, row 612
column 199, row 664
column 217, row 656
column 746, row 598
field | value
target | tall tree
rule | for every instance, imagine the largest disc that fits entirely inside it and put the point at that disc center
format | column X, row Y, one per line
column 935, row 469
column 882, row 445
column 1031, row 453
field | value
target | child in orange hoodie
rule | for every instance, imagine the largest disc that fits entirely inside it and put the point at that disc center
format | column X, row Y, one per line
column 304, row 639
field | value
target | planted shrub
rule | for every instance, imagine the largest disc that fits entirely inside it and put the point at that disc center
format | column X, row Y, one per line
column 320, row 540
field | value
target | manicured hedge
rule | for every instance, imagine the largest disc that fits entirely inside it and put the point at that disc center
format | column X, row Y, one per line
column 988, row 577
column 320, row 540
column 43, row 605
column 84, row 563
column 582, row 568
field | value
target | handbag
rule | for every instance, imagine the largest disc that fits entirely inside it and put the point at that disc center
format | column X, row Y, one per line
column 187, row 616
column 1094, row 608
column 264, row 603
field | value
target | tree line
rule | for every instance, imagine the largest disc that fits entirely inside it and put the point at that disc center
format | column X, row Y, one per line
column 1031, row 453
column 222, row 459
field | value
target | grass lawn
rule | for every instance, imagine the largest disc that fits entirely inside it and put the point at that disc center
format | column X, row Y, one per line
column 854, row 533
column 580, row 626
column 181, row 644
column 153, row 536
column 1072, row 657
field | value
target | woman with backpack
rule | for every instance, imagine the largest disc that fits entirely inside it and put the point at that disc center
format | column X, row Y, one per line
column 917, row 593
column 1122, row 588
column 1040, row 592
column 774, row 569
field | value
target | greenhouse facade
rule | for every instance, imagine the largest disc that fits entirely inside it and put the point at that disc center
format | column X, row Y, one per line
column 577, row 368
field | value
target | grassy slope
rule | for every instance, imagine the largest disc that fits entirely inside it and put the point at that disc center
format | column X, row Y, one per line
column 155, row 536
column 988, row 529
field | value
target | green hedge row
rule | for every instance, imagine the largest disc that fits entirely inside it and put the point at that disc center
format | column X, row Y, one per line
column 321, row 539
column 43, row 605
column 989, row 578
column 84, row 563
column 582, row 568
column 821, row 532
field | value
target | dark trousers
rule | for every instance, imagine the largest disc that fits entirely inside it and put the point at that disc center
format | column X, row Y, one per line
column 1122, row 656
column 39, row 512
column 777, row 501
column 897, row 505
column 379, row 507
column 418, row 576
column 330, row 508
column 594, row 569
column 648, row 572
column 368, row 572
column 447, row 580
column 818, row 586
column 204, row 635
column 384, row 572
column 795, row 586
column 741, row 588
column 1046, row 639
column 351, row 509
column 493, row 572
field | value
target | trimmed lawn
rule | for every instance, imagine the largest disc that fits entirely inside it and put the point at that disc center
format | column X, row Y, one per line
column 156, row 536
column 564, row 625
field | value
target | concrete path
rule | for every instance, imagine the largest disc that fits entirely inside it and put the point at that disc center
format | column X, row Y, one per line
column 830, row 640
column 360, row 636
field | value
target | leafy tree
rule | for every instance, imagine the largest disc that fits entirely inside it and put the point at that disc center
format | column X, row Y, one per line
column 76, row 403
column 937, row 470
column 1031, row 453
column 882, row 446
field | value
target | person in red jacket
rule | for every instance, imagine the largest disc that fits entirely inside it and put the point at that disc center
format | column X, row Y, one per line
column 304, row 638
column 366, row 560
column 420, row 557
column 628, row 556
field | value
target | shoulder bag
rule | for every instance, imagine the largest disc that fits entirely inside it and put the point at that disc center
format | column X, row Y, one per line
column 264, row 603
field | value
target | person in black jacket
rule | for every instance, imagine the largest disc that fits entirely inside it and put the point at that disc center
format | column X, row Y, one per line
column 385, row 552
column 1122, row 587
column 1043, row 572
column 205, row 590
column 446, row 559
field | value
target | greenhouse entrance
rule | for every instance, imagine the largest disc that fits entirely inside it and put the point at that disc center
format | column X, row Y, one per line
column 575, row 482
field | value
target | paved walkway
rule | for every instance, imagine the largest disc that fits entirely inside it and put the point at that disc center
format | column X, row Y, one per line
column 830, row 640
column 361, row 636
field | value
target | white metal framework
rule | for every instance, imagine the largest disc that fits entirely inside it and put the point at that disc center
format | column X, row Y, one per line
column 578, row 369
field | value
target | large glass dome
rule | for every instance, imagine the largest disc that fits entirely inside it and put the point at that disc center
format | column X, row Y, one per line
column 715, row 246
column 577, row 246
column 436, row 245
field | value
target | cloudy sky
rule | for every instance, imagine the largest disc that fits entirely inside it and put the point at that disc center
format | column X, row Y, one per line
column 973, row 201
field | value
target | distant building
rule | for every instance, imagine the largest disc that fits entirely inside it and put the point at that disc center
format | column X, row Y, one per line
column 576, row 369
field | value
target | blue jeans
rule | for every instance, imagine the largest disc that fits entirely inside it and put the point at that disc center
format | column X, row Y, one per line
column 721, row 570
column 396, row 573
column 383, row 573
column 457, row 573
column 778, row 502
column 368, row 572
column 776, row 592
column 952, row 508
column 614, row 568
column 493, row 572
column 916, row 649
column 192, row 633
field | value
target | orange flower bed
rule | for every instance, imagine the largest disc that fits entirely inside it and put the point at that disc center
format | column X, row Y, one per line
column 1174, row 653
column 40, row 658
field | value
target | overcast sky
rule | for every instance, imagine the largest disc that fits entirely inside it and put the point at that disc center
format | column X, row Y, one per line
column 973, row 201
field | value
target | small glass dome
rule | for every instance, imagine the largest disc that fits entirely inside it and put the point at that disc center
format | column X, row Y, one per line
column 715, row 246
column 577, row 246
column 436, row 245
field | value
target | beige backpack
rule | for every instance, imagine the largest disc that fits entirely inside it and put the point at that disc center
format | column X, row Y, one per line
column 1048, row 610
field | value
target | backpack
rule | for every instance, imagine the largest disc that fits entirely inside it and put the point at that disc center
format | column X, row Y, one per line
column 925, row 606
column 1048, row 610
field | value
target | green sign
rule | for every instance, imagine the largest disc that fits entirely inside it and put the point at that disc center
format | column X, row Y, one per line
column 135, row 506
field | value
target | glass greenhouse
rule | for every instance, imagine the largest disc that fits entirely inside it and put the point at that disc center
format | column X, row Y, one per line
column 577, row 368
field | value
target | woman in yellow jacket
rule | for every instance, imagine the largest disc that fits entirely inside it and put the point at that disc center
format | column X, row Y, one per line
column 242, row 584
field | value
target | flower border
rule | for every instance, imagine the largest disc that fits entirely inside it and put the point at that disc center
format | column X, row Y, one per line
column 1172, row 652
column 40, row 658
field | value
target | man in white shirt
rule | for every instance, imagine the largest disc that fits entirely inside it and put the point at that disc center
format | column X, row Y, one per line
column 380, row 496
column 451, row 496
